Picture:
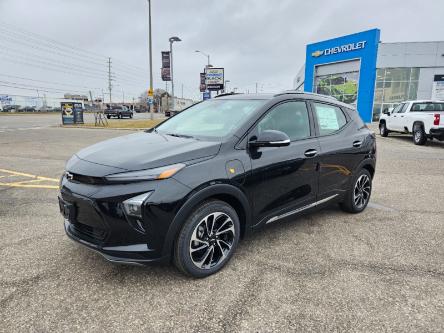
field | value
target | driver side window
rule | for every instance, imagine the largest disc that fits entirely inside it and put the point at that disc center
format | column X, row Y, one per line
column 288, row 117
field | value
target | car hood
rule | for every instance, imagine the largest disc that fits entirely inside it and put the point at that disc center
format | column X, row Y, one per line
column 140, row 151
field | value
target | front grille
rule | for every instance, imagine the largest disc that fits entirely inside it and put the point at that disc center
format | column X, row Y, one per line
column 77, row 178
column 93, row 234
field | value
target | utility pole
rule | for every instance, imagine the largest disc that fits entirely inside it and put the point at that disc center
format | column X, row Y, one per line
column 123, row 96
column 256, row 87
column 150, row 42
column 109, row 79
column 182, row 90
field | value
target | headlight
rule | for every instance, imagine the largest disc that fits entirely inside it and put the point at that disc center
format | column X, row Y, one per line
column 150, row 174
column 133, row 206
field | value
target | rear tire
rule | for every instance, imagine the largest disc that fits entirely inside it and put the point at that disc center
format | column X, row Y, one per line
column 383, row 130
column 109, row 117
column 207, row 240
column 358, row 196
column 419, row 135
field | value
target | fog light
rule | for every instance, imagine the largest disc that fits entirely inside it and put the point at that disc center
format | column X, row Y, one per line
column 133, row 206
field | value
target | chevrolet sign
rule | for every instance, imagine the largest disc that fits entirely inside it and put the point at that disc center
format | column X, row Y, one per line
column 340, row 49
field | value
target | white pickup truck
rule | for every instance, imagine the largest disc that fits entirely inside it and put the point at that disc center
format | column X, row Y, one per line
column 423, row 119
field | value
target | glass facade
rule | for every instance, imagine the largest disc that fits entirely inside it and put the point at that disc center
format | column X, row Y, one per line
column 343, row 86
column 393, row 86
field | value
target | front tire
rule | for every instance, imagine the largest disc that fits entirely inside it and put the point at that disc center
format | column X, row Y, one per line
column 207, row 240
column 419, row 135
column 358, row 197
column 383, row 130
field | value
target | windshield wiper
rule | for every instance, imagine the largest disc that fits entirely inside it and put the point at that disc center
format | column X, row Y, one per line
column 180, row 135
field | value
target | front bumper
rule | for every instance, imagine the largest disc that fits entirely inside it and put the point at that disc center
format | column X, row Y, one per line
column 136, row 254
column 96, row 219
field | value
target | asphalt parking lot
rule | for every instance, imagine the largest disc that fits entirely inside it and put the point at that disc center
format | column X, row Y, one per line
column 381, row 270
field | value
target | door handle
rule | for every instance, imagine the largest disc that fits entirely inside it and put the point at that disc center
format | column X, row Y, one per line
column 311, row 153
column 402, row 116
column 357, row 144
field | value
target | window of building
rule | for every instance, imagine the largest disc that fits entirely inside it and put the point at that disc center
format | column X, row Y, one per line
column 394, row 85
column 290, row 118
column 329, row 118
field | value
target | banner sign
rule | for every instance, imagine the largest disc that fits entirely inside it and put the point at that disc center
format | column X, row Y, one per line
column 215, row 79
column 203, row 86
column 438, row 88
column 166, row 65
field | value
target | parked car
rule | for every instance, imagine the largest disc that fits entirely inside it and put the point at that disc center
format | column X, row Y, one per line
column 11, row 108
column 27, row 109
column 192, row 187
column 423, row 119
column 118, row 112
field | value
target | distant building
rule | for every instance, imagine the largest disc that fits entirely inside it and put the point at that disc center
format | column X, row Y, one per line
column 360, row 70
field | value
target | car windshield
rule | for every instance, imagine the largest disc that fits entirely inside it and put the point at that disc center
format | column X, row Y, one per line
column 212, row 120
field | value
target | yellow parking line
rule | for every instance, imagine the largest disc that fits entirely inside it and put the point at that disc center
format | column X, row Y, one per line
column 26, row 183
column 28, row 175
column 29, row 186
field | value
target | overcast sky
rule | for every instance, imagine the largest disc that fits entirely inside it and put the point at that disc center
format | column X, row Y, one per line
column 254, row 40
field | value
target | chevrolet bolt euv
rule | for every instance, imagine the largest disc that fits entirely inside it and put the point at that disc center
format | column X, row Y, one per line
column 189, row 189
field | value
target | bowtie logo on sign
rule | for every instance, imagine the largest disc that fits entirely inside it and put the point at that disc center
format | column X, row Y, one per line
column 340, row 49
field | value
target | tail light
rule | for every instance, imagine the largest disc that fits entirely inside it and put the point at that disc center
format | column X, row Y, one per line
column 437, row 119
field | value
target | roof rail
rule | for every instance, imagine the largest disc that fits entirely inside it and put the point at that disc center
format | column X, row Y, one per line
column 227, row 94
column 304, row 93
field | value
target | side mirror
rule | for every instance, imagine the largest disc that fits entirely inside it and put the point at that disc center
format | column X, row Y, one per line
column 271, row 138
column 387, row 112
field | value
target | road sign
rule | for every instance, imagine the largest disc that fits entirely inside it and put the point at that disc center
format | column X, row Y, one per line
column 150, row 92
column 206, row 95
column 150, row 101
column 215, row 79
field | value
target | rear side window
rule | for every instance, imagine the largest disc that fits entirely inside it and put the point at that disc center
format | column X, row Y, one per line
column 427, row 107
column 290, row 118
column 329, row 118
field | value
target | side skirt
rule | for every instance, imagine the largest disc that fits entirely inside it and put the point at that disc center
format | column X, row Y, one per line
column 301, row 209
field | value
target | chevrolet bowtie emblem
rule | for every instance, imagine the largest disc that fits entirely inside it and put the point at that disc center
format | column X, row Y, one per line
column 317, row 53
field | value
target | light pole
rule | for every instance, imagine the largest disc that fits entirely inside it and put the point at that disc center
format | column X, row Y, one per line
column 208, row 62
column 172, row 40
column 206, row 55
column 151, row 59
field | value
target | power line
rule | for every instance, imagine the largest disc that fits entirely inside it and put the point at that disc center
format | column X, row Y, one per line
column 50, row 82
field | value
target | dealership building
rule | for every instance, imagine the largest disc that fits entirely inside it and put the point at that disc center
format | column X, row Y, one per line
column 361, row 70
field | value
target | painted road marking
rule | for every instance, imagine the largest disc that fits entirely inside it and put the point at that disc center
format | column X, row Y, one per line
column 28, row 179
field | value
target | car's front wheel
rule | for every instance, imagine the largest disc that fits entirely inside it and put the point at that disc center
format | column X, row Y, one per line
column 383, row 129
column 208, row 239
column 357, row 197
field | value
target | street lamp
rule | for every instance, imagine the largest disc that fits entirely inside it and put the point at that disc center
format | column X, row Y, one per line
column 206, row 55
column 151, row 59
column 172, row 40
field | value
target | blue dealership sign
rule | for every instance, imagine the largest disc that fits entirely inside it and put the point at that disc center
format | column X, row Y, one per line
column 362, row 46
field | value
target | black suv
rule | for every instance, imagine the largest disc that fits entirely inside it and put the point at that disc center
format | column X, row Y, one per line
column 191, row 187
